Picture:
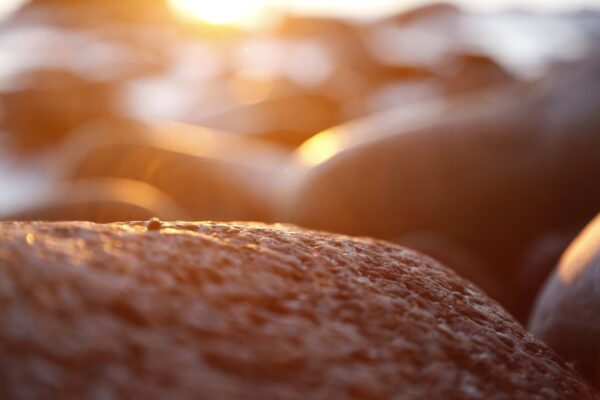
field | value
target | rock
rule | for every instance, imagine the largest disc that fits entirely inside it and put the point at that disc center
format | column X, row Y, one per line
column 211, row 175
column 45, row 106
column 433, row 11
column 566, row 312
column 100, row 200
column 73, row 13
column 249, row 311
column 154, row 225
column 535, row 266
column 466, row 72
column 288, row 120
column 342, row 37
column 462, row 260
column 491, row 178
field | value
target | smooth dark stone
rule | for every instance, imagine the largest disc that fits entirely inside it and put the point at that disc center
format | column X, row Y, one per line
column 567, row 312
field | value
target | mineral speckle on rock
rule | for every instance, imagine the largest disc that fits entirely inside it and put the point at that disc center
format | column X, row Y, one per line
column 250, row 311
column 154, row 225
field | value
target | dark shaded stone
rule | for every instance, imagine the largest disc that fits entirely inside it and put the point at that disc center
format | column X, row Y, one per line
column 566, row 315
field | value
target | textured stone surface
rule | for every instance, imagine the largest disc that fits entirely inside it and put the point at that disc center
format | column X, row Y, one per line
column 237, row 311
column 566, row 315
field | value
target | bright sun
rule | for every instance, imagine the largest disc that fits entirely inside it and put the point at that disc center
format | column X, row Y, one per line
column 218, row 12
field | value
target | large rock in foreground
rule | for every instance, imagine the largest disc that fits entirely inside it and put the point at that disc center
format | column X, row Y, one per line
column 238, row 311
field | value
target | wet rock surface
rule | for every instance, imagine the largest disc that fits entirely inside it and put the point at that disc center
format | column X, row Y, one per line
column 250, row 311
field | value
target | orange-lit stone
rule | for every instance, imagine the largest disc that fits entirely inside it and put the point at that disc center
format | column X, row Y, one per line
column 251, row 311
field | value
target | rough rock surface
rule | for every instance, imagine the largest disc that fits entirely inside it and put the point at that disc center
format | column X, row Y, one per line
column 238, row 311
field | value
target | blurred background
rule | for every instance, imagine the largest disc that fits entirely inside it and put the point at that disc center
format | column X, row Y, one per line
column 467, row 130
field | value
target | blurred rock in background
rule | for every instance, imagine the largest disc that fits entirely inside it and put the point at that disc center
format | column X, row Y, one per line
column 566, row 312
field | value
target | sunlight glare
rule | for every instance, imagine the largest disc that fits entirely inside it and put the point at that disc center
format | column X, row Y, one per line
column 220, row 12
column 320, row 147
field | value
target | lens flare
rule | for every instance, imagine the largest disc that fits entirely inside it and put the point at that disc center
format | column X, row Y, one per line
column 219, row 12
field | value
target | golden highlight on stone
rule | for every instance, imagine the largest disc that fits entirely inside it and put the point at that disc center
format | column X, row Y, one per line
column 579, row 254
column 320, row 148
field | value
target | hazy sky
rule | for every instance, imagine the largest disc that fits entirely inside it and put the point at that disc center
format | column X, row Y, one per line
column 375, row 7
